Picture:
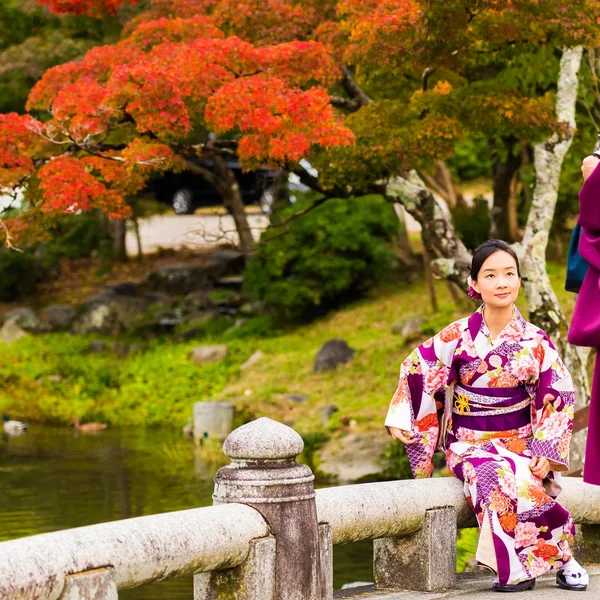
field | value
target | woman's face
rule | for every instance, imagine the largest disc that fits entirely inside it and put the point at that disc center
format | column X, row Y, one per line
column 498, row 281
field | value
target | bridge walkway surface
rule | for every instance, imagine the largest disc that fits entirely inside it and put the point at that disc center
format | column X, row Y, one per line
column 478, row 586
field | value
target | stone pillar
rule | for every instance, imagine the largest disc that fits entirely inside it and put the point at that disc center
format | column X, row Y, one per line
column 264, row 474
column 424, row 561
column 96, row 584
column 326, row 548
column 254, row 579
column 213, row 420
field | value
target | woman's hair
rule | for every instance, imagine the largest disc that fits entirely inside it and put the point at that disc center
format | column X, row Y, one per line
column 483, row 252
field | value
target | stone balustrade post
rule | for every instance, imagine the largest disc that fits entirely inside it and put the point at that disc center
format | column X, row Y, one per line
column 424, row 561
column 98, row 584
column 264, row 474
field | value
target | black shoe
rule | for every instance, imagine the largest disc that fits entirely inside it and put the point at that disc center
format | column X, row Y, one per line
column 561, row 581
column 528, row 584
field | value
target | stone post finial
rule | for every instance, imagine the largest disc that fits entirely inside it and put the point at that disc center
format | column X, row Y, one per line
column 264, row 474
column 263, row 439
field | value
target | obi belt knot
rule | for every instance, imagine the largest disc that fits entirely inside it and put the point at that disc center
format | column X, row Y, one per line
column 493, row 409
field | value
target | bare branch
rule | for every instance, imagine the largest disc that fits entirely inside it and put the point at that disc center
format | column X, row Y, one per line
column 8, row 238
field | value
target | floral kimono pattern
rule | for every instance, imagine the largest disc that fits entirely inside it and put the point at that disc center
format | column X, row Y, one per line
column 492, row 404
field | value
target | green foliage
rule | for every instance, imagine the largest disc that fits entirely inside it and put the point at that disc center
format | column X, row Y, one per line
column 32, row 41
column 466, row 546
column 471, row 159
column 312, row 444
column 472, row 223
column 256, row 327
column 20, row 272
column 156, row 387
column 395, row 462
column 74, row 236
column 78, row 236
column 330, row 255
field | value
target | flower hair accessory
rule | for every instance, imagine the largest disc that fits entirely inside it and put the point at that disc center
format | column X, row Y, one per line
column 471, row 291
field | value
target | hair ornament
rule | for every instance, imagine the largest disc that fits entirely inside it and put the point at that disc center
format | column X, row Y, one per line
column 471, row 291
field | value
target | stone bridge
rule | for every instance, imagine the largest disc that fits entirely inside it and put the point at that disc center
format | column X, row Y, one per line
column 270, row 536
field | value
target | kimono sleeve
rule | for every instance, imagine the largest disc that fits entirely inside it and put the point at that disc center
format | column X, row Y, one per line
column 589, row 202
column 553, row 407
column 424, row 377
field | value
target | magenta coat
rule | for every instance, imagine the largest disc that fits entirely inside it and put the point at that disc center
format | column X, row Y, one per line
column 585, row 324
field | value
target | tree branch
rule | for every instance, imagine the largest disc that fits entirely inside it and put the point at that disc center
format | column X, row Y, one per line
column 206, row 174
column 349, row 104
column 8, row 241
column 357, row 99
column 353, row 89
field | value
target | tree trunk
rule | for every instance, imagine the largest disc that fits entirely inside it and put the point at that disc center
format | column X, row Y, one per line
column 504, row 209
column 513, row 219
column 451, row 258
column 229, row 189
column 442, row 183
column 118, row 232
column 281, row 195
column 430, row 281
column 544, row 309
column 405, row 249
column 138, row 237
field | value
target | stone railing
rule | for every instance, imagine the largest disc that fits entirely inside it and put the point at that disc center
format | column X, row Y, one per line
column 269, row 535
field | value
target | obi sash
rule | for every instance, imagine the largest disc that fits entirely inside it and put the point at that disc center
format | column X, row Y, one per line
column 492, row 409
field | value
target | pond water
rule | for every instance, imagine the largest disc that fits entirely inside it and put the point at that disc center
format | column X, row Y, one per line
column 52, row 478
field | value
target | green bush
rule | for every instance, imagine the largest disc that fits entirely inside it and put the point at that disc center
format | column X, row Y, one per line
column 471, row 159
column 78, row 236
column 73, row 236
column 20, row 272
column 472, row 223
column 330, row 255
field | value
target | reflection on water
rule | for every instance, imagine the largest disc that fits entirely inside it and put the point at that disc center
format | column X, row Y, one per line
column 52, row 478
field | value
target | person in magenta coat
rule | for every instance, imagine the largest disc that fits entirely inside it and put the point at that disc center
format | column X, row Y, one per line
column 585, row 324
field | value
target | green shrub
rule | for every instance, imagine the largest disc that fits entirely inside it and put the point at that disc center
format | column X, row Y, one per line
column 73, row 236
column 78, row 236
column 329, row 256
column 471, row 159
column 472, row 223
column 20, row 272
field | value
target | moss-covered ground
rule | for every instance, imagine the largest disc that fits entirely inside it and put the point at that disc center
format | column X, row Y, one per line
column 54, row 377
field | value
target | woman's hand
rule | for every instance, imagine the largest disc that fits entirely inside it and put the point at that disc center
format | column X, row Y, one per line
column 588, row 165
column 540, row 466
column 405, row 437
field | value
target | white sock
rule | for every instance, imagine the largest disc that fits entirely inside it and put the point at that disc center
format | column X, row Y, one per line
column 575, row 574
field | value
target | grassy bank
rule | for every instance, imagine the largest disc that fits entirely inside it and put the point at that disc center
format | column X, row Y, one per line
column 54, row 377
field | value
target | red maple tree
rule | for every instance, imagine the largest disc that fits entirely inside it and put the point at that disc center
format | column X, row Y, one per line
column 364, row 88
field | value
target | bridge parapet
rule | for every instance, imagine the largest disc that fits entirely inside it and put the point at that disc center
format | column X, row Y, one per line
column 268, row 517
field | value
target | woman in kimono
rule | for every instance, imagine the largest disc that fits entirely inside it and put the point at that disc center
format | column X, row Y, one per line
column 491, row 391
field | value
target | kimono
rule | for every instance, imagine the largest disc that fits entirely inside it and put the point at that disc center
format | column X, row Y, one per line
column 585, row 323
column 492, row 404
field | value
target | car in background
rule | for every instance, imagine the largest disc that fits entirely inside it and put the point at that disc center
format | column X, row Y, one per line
column 187, row 191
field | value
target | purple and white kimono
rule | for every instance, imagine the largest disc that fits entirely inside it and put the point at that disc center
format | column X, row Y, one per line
column 492, row 404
